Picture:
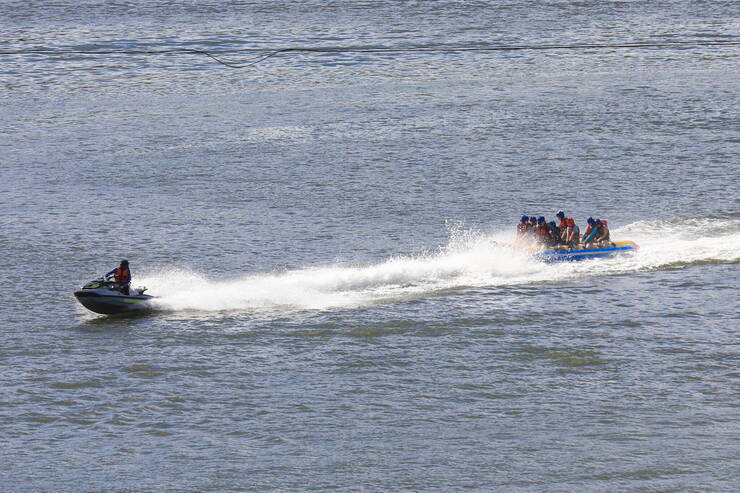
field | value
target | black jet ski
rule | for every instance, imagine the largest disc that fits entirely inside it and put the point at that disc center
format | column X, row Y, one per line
column 105, row 296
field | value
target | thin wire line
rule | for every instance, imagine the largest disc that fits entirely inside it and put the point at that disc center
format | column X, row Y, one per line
column 337, row 50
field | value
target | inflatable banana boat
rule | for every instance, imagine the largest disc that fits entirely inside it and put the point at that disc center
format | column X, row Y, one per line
column 565, row 254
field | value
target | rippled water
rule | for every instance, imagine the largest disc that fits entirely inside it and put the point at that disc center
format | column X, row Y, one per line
column 323, row 232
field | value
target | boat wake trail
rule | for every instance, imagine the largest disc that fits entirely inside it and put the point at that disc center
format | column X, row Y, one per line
column 470, row 259
column 683, row 242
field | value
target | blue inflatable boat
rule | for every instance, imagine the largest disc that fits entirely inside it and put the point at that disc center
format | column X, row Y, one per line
column 616, row 248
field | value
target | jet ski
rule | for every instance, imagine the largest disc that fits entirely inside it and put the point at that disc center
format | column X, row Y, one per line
column 613, row 248
column 105, row 296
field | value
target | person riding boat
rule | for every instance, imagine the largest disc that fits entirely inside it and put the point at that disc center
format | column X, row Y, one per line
column 602, row 235
column 122, row 276
column 561, row 220
column 591, row 230
column 563, row 224
column 572, row 233
column 521, row 228
column 541, row 230
column 553, row 234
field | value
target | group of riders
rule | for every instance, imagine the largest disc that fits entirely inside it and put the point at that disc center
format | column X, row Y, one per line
column 564, row 233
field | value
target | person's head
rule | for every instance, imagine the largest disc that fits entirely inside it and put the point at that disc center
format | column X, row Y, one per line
column 124, row 263
column 524, row 219
column 597, row 221
column 560, row 214
column 541, row 220
column 590, row 220
column 570, row 222
column 552, row 224
column 532, row 220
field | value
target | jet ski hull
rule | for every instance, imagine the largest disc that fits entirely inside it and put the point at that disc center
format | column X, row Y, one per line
column 111, row 304
column 586, row 253
column 108, row 302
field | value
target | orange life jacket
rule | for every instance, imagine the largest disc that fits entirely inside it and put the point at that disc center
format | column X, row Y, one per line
column 122, row 275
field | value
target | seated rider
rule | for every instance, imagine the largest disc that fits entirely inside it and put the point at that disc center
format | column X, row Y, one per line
column 590, row 235
column 602, row 234
column 532, row 228
column 521, row 228
column 553, row 234
column 122, row 276
column 541, row 230
column 561, row 220
column 572, row 234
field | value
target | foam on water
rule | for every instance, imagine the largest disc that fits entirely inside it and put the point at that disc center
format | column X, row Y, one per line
column 682, row 241
column 470, row 259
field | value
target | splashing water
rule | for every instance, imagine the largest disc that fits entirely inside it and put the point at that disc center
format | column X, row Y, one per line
column 470, row 259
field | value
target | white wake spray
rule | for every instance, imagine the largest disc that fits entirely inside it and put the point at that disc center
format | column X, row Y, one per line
column 682, row 242
column 470, row 259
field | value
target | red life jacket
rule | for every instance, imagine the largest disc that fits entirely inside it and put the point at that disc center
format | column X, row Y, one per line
column 122, row 275
column 521, row 229
column 541, row 231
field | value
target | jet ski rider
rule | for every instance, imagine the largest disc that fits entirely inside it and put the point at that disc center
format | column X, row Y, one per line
column 122, row 276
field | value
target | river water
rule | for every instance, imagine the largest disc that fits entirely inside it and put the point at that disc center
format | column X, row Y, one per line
column 323, row 231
